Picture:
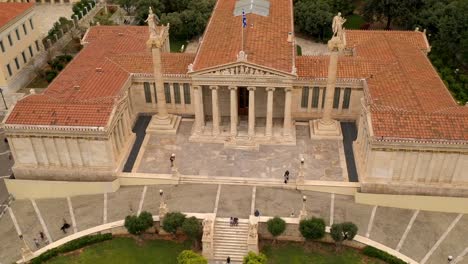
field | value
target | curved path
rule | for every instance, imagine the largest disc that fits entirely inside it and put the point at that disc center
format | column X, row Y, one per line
column 425, row 237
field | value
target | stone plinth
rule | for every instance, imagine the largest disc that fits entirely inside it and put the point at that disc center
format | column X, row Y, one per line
column 168, row 125
column 322, row 130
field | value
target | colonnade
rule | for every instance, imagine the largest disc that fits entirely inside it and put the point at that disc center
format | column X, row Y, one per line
column 234, row 118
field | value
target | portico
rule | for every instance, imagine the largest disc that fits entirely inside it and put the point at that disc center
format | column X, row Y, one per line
column 242, row 114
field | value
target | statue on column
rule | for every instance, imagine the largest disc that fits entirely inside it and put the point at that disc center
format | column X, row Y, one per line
column 337, row 26
column 152, row 21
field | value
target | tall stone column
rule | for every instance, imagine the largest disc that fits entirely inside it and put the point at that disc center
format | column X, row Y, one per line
column 162, row 122
column 269, row 115
column 287, row 112
column 326, row 127
column 251, row 131
column 215, row 106
column 199, row 119
column 234, row 113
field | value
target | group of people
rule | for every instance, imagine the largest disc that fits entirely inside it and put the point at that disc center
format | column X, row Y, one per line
column 43, row 239
column 234, row 221
column 286, row 177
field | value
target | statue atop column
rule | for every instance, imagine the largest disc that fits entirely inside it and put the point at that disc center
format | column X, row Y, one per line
column 337, row 26
column 152, row 21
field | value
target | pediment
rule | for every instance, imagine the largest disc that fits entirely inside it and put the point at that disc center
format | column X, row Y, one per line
column 241, row 69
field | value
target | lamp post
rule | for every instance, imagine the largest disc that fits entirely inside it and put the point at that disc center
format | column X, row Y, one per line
column 300, row 177
column 3, row 97
column 303, row 213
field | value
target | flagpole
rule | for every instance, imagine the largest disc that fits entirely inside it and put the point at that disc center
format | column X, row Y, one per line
column 242, row 29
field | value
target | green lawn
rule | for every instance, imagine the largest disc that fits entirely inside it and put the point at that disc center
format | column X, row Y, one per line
column 176, row 44
column 126, row 251
column 295, row 253
column 354, row 21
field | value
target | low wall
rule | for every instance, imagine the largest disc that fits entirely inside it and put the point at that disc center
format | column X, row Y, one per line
column 345, row 188
column 34, row 189
column 418, row 202
column 132, row 178
column 292, row 233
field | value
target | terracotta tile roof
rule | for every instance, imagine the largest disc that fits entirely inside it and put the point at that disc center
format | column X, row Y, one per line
column 83, row 94
column 9, row 11
column 265, row 43
column 407, row 97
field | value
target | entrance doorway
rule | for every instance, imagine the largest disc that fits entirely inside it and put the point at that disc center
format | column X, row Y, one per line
column 243, row 95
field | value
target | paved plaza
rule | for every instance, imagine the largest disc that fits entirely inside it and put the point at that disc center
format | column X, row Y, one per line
column 323, row 158
column 427, row 237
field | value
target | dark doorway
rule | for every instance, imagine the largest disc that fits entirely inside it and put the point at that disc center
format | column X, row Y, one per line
column 349, row 135
column 243, row 101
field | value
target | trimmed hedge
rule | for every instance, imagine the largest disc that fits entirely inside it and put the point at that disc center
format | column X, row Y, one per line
column 71, row 246
column 382, row 255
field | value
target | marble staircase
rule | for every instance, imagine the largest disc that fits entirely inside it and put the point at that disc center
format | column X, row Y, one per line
column 230, row 240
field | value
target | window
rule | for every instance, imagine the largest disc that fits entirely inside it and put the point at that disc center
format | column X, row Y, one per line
column 176, row 87
column 336, row 98
column 155, row 93
column 10, row 40
column 323, row 97
column 147, row 88
column 167, row 93
column 1, row 46
column 347, row 96
column 187, row 93
column 9, row 70
column 315, row 97
column 24, row 57
column 305, row 97
column 38, row 48
column 31, row 23
column 17, row 34
column 17, row 63
column 24, row 29
column 30, row 51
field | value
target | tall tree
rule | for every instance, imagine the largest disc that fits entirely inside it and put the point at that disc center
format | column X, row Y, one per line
column 313, row 17
column 390, row 10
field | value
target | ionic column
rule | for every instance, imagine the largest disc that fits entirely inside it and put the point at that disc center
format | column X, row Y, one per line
column 251, row 131
column 198, row 107
column 309, row 98
column 215, row 106
column 287, row 112
column 319, row 106
column 331, row 81
column 182, row 95
column 269, row 115
column 233, row 110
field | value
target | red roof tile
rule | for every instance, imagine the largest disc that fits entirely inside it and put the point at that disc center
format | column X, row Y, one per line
column 9, row 11
column 83, row 94
column 265, row 43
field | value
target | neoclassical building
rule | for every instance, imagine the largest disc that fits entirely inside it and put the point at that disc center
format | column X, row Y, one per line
column 245, row 90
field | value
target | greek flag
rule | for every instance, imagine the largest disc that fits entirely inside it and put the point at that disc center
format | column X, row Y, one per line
column 244, row 19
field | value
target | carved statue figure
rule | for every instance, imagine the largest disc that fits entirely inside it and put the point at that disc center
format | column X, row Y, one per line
column 337, row 25
column 253, row 230
column 206, row 228
column 152, row 21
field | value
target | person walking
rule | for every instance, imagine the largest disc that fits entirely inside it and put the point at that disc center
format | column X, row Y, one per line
column 172, row 159
column 228, row 260
column 286, row 177
column 36, row 242
column 41, row 235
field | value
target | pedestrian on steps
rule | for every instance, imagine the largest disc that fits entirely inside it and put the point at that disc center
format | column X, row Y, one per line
column 228, row 260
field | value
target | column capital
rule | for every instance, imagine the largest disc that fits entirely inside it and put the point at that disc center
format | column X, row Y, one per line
column 251, row 88
column 196, row 87
column 271, row 89
column 214, row 87
column 288, row 89
column 232, row 87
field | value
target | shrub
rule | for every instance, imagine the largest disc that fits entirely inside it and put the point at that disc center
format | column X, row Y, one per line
column 343, row 231
column 64, row 58
column 276, row 226
column 253, row 258
column 190, row 257
column 50, row 75
column 313, row 228
column 382, row 255
column 138, row 224
column 71, row 246
column 350, row 230
column 336, row 232
column 173, row 221
column 193, row 229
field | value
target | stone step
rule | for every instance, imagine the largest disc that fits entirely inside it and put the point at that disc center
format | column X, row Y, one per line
column 226, row 240
column 219, row 233
column 238, row 181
